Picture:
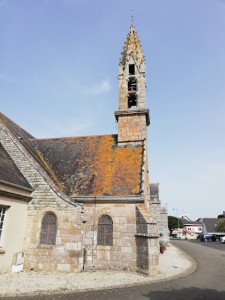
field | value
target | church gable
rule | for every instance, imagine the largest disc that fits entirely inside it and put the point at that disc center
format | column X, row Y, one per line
column 25, row 139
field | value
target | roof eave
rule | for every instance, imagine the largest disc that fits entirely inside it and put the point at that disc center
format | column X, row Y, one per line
column 108, row 199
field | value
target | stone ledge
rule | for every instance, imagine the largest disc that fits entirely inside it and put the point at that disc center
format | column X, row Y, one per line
column 101, row 247
column 108, row 199
column 133, row 112
column 152, row 236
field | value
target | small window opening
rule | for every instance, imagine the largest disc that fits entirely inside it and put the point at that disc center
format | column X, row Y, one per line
column 131, row 69
column 105, row 231
column 2, row 217
column 132, row 101
column 48, row 229
column 132, row 85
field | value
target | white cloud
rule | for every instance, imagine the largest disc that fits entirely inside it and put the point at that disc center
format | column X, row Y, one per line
column 101, row 88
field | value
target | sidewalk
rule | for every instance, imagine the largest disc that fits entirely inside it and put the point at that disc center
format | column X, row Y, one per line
column 173, row 264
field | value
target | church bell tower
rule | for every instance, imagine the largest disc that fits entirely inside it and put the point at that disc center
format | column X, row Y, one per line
column 132, row 116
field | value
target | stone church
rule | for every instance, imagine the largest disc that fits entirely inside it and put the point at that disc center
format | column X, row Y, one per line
column 80, row 203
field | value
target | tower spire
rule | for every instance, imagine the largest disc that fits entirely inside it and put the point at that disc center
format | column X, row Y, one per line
column 132, row 47
column 132, row 116
column 132, row 16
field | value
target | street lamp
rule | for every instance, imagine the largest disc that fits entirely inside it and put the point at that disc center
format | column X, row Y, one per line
column 177, row 222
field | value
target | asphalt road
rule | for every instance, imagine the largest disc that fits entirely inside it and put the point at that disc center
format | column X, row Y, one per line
column 207, row 282
column 215, row 245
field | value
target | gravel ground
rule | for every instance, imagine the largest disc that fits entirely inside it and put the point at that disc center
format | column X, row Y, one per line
column 173, row 263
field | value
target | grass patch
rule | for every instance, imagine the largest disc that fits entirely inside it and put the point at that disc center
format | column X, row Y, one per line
column 64, row 288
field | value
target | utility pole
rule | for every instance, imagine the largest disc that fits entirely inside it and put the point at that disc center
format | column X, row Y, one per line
column 177, row 222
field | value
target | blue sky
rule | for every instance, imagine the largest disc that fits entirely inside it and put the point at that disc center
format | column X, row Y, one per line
column 58, row 77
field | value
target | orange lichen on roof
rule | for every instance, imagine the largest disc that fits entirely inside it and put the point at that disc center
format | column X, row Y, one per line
column 93, row 165
column 126, row 171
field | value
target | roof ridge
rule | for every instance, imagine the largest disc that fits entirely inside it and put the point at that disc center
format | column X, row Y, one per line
column 72, row 137
column 13, row 123
column 49, row 168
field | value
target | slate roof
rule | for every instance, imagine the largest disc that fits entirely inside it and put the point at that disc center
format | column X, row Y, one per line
column 93, row 165
column 25, row 139
column 186, row 222
column 210, row 224
column 9, row 173
column 85, row 166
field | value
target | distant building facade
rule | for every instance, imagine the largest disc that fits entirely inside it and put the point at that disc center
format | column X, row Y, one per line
column 192, row 229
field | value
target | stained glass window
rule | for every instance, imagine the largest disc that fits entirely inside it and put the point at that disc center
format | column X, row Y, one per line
column 105, row 231
column 48, row 229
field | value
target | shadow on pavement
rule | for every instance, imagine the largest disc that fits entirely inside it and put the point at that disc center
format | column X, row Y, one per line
column 186, row 293
column 174, row 294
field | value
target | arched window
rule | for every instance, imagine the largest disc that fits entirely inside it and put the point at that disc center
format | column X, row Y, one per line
column 131, row 69
column 48, row 229
column 132, row 84
column 105, row 231
column 132, row 101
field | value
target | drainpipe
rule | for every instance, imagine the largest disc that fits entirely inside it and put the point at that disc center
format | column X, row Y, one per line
column 93, row 237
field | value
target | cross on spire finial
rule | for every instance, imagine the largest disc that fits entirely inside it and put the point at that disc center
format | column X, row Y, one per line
column 132, row 16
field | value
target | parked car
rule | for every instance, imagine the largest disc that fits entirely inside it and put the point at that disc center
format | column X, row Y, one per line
column 202, row 239
column 205, row 238
column 208, row 238
column 222, row 239
column 215, row 238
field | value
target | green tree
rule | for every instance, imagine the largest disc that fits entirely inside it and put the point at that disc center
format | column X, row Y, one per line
column 173, row 223
column 220, row 227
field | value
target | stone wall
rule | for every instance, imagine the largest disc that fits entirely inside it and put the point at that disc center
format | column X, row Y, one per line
column 67, row 254
column 132, row 128
column 120, row 256
column 135, row 239
column 161, row 215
